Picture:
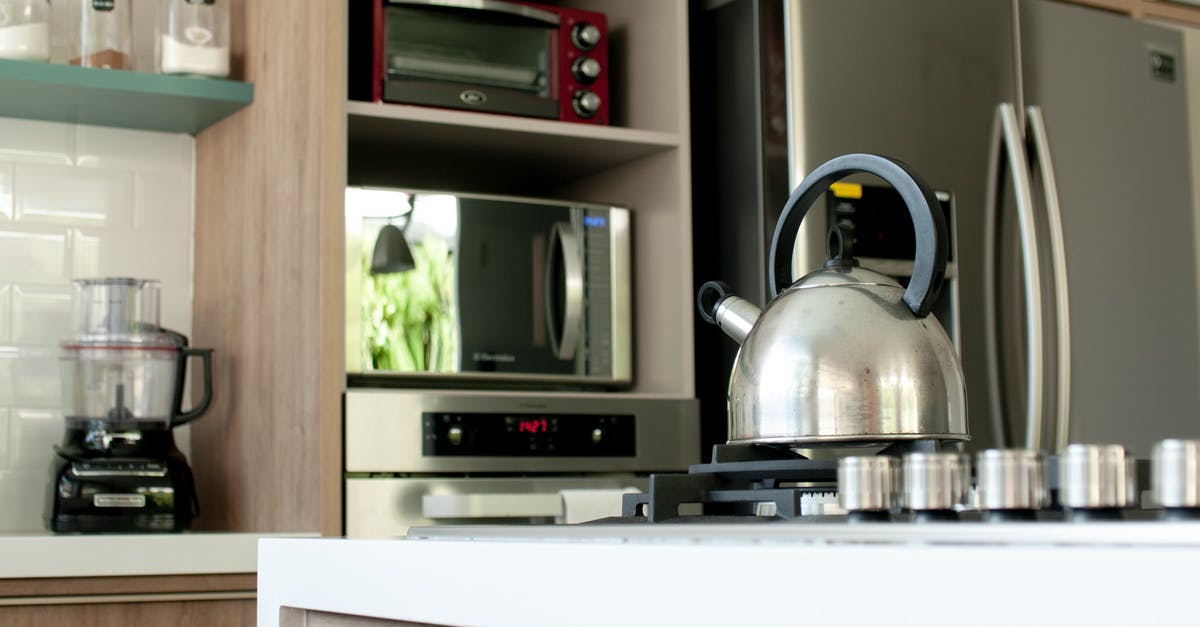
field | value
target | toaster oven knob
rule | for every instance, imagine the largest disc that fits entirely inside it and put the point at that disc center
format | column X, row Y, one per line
column 585, row 36
column 585, row 103
column 585, row 69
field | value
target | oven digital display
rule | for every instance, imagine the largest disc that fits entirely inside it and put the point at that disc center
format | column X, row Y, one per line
column 528, row 435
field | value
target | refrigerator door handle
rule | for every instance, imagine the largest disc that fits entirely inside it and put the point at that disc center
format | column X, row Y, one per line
column 1008, row 148
column 1058, row 258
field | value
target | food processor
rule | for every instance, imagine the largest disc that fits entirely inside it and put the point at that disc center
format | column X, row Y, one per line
column 118, row 469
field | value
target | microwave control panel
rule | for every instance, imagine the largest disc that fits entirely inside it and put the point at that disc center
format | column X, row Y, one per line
column 528, row 435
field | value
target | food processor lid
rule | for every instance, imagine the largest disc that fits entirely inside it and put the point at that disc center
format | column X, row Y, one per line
column 130, row 341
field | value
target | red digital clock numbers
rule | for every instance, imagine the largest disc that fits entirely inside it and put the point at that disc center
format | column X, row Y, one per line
column 533, row 425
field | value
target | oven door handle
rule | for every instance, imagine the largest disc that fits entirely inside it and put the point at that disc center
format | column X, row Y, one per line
column 564, row 340
column 435, row 506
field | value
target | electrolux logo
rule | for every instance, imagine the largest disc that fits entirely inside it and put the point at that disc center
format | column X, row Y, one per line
column 504, row 358
column 473, row 97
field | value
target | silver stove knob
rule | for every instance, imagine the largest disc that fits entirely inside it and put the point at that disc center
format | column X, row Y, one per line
column 867, row 483
column 1095, row 476
column 1011, row 479
column 1175, row 473
column 932, row 481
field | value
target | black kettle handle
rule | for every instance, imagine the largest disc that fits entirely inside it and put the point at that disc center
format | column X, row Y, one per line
column 929, row 267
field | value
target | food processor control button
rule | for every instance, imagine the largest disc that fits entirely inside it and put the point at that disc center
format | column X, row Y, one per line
column 585, row 36
column 585, row 69
column 585, row 103
column 1175, row 473
column 1094, row 476
column 455, row 435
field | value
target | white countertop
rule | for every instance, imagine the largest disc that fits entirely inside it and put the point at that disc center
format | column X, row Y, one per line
column 102, row 555
column 711, row 579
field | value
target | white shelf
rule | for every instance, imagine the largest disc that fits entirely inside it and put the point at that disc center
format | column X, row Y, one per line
column 403, row 144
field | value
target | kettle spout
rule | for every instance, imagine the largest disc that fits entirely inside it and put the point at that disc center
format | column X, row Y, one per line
column 734, row 315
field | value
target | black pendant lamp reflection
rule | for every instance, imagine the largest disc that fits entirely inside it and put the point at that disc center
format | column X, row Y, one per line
column 391, row 253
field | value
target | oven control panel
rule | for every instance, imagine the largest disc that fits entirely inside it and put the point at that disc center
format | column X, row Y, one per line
column 528, row 435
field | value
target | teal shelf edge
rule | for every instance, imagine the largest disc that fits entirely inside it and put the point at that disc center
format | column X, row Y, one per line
column 123, row 99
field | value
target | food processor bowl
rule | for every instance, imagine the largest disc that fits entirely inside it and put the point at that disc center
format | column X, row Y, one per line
column 119, row 383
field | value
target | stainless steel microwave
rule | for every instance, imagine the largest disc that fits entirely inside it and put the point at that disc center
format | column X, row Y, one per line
column 447, row 288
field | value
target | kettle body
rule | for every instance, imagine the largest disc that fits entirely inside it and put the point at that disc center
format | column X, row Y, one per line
column 844, row 355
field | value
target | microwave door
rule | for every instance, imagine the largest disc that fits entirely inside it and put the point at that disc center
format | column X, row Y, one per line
column 501, row 287
column 564, row 291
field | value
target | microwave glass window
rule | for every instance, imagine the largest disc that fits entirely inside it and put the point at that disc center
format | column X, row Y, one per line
column 410, row 319
column 469, row 47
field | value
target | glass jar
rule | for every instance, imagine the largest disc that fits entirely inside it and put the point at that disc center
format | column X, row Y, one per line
column 25, row 29
column 193, row 38
column 100, row 34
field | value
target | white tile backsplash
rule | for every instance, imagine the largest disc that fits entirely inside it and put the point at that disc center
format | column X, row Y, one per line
column 41, row 315
column 37, row 256
column 53, row 194
column 76, row 202
column 6, row 191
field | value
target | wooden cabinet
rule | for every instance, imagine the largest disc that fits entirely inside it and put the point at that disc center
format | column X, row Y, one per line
column 1183, row 12
column 269, row 233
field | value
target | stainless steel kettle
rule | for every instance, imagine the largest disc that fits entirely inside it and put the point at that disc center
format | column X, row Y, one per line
column 844, row 355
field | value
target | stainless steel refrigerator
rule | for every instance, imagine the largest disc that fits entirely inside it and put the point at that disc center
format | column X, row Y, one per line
column 1062, row 133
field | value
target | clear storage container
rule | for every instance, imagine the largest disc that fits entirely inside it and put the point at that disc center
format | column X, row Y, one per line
column 25, row 30
column 100, row 35
column 193, row 38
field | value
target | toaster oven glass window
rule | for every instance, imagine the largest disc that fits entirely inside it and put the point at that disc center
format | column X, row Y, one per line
column 462, row 47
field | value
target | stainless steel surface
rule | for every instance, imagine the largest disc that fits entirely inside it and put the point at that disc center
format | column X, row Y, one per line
column 1122, row 162
column 932, row 481
column 1008, row 479
column 1175, row 473
column 867, row 483
column 489, row 5
column 1036, row 132
column 736, row 316
column 1093, row 476
column 1035, row 382
column 1011, row 534
column 620, row 256
column 585, row 36
column 383, row 431
column 884, row 375
column 380, row 507
column 564, row 236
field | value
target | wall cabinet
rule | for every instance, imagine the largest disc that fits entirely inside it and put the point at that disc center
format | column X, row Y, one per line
column 269, row 267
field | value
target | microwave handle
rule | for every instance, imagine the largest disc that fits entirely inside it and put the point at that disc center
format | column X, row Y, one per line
column 563, row 343
column 435, row 506
column 519, row 10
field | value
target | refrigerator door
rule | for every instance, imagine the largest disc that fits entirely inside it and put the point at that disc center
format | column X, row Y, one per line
column 1112, row 95
column 919, row 81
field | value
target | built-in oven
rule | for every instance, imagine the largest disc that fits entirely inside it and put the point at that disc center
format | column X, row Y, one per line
column 423, row 457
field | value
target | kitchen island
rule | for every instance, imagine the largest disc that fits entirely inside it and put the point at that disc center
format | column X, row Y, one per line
column 738, row 574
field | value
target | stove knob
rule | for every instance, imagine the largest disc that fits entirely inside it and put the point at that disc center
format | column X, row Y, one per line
column 585, row 69
column 1175, row 477
column 585, row 36
column 1011, row 483
column 1094, row 480
column 585, row 103
column 933, row 482
column 867, row 485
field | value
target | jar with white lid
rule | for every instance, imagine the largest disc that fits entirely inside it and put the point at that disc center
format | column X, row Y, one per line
column 100, row 34
column 193, row 38
column 25, row 30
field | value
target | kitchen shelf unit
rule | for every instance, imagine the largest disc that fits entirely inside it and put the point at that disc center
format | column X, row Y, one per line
column 1181, row 12
column 117, row 98
column 270, row 234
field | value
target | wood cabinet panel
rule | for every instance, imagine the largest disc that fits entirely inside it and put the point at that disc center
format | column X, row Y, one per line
column 157, row 584
column 175, row 613
column 268, row 233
